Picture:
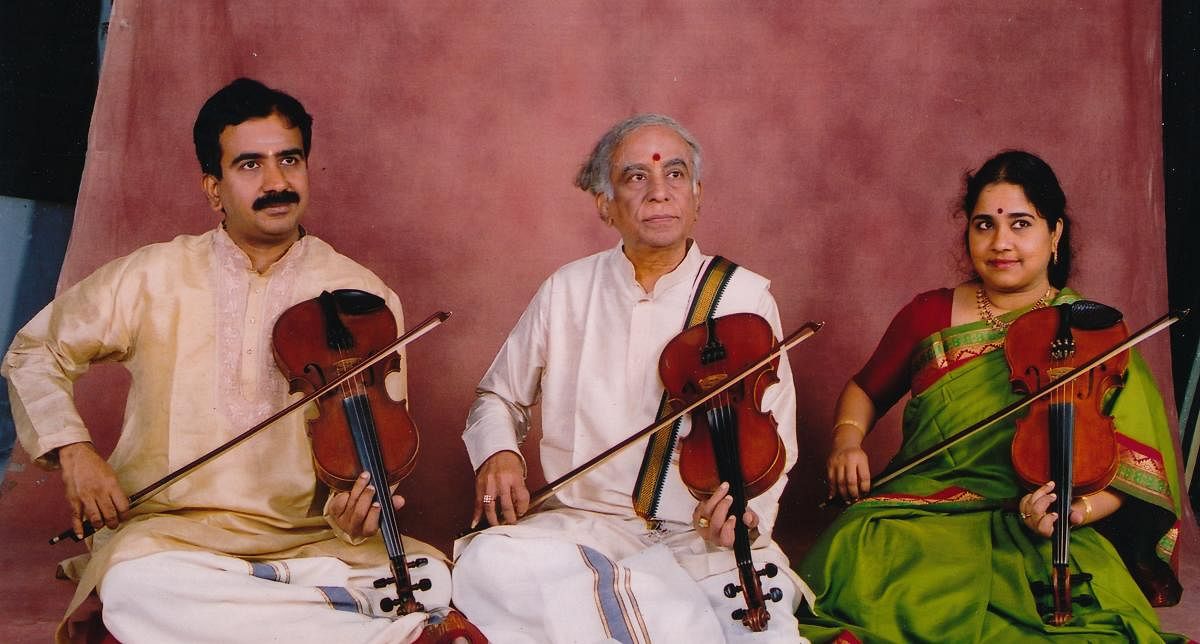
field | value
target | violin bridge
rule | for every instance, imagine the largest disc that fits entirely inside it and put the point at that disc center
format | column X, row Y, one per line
column 1058, row 372
column 710, row 382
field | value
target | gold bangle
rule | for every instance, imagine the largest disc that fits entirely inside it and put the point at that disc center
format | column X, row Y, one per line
column 853, row 423
column 1087, row 510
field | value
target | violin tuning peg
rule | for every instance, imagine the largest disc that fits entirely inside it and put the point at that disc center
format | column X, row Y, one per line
column 385, row 581
column 418, row 562
column 424, row 584
column 1082, row 576
column 775, row 595
column 1084, row 600
column 738, row 614
column 769, row 570
column 732, row 591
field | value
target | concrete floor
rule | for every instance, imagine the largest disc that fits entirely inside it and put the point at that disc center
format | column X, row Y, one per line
column 32, row 601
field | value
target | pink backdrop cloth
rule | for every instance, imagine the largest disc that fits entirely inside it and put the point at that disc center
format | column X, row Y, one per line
column 447, row 135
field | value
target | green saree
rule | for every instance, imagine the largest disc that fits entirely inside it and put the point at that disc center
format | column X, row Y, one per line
column 940, row 555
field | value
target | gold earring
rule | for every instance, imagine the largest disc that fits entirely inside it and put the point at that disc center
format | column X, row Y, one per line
column 1054, row 256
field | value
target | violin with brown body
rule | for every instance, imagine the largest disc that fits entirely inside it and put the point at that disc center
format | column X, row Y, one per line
column 732, row 439
column 1067, row 437
column 357, row 427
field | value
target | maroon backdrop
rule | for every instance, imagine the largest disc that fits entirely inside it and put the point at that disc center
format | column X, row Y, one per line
column 447, row 135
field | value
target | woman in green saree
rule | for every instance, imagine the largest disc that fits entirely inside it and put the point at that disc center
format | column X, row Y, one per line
column 950, row 551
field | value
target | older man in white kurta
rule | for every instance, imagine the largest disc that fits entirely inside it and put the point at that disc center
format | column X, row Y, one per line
column 587, row 567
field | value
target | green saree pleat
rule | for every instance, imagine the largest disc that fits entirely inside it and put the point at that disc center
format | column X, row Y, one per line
column 939, row 555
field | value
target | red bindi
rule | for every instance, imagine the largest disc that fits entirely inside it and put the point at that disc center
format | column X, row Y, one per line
column 656, row 156
column 999, row 211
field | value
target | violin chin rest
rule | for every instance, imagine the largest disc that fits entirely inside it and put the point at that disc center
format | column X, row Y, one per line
column 355, row 302
column 1092, row 316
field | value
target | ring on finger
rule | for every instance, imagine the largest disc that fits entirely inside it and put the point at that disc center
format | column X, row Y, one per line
column 702, row 522
column 1025, row 515
column 488, row 498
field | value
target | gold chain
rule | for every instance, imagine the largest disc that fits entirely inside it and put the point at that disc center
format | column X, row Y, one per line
column 985, row 308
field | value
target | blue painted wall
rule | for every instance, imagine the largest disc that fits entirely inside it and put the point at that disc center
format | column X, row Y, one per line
column 34, row 241
column 47, row 88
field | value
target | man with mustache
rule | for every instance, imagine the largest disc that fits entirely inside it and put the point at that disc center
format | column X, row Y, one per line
column 625, row 552
column 248, row 547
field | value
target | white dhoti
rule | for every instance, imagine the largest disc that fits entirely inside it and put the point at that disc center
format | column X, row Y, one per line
column 195, row 597
column 566, row 575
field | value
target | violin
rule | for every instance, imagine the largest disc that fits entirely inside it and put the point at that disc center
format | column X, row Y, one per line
column 732, row 439
column 358, row 427
column 1067, row 437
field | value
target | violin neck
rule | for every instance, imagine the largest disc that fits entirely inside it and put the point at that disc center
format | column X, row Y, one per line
column 370, row 457
column 1062, row 451
column 723, row 430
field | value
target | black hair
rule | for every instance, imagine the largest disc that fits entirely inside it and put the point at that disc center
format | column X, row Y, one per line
column 1035, row 177
column 239, row 101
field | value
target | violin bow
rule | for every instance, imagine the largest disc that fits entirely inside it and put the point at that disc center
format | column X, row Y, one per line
column 140, row 496
column 1150, row 329
column 544, row 493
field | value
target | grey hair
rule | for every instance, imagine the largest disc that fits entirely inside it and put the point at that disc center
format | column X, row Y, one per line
column 595, row 174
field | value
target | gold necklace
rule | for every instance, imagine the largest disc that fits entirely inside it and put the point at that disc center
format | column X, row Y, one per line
column 987, row 315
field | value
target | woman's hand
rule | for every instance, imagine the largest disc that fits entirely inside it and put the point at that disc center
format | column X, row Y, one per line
column 848, row 469
column 1034, row 508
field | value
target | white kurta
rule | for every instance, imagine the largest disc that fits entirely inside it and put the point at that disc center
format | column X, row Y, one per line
column 191, row 320
column 587, row 349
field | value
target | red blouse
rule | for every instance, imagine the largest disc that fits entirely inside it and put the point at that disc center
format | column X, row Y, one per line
column 888, row 375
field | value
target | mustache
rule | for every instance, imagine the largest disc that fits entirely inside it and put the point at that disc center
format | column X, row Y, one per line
column 275, row 199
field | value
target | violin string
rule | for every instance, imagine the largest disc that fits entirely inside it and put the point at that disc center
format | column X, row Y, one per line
column 1069, row 398
column 355, row 391
column 1061, row 401
column 737, row 490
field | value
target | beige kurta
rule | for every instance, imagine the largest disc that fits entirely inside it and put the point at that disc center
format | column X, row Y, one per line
column 191, row 320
